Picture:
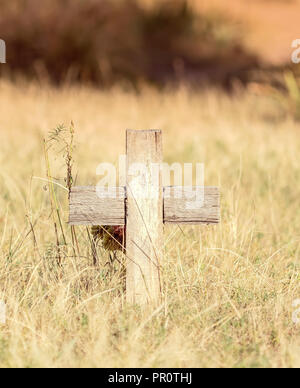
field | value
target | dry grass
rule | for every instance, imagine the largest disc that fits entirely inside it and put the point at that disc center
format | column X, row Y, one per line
column 228, row 289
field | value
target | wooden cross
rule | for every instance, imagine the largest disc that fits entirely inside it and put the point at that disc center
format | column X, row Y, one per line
column 143, row 215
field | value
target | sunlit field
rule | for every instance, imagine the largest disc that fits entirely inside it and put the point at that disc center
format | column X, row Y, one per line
column 228, row 289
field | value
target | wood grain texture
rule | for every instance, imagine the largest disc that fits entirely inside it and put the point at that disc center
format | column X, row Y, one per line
column 191, row 205
column 144, row 216
column 86, row 208
column 91, row 206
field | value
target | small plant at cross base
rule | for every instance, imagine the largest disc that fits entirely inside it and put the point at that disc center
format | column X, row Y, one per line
column 112, row 240
column 111, row 237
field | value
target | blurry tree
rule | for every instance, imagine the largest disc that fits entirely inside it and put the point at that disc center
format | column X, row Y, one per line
column 105, row 42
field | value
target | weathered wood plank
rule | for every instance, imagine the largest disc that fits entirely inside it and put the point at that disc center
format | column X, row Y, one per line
column 86, row 208
column 144, row 216
column 91, row 206
column 191, row 205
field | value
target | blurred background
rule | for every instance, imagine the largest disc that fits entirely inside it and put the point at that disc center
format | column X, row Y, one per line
column 217, row 77
column 131, row 42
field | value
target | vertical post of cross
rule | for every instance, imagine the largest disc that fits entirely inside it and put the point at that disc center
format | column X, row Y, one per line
column 144, row 216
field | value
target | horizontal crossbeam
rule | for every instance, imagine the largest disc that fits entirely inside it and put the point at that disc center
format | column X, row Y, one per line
column 181, row 205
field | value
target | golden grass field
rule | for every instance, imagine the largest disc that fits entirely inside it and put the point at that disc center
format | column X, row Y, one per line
column 228, row 289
